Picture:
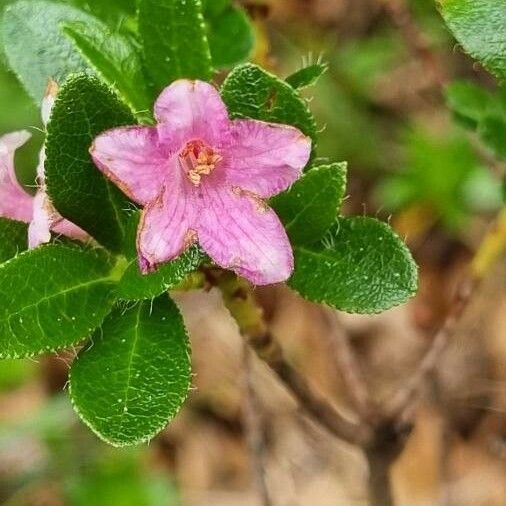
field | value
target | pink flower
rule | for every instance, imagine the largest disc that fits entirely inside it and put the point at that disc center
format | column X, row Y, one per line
column 203, row 177
column 17, row 204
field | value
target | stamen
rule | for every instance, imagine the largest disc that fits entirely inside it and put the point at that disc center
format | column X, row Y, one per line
column 197, row 160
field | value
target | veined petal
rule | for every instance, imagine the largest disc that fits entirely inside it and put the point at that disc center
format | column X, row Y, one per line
column 266, row 158
column 134, row 160
column 166, row 228
column 189, row 110
column 241, row 233
column 15, row 202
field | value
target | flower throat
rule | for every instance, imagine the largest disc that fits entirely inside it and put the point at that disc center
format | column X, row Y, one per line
column 197, row 160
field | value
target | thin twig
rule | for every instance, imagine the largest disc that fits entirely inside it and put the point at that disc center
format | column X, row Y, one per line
column 350, row 369
column 416, row 39
column 404, row 401
column 239, row 300
column 492, row 247
column 445, row 445
column 378, row 481
column 323, row 412
column 254, row 433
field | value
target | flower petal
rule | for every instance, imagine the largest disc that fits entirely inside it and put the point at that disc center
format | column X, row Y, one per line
column 15, row 202
column 189, row 110
column 48, row 101
column 266, row 158
column 68, row 229
column 166, row 228
column 46, row 219
column 241, row 233
column 39, row 231
column 133, row 159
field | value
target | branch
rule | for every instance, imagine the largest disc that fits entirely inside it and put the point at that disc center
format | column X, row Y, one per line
column 404, row 402
column 314, row 404
column 253, row 426
column 416, row 39
column 350, row 369
column 239, row 299
column 378, row 481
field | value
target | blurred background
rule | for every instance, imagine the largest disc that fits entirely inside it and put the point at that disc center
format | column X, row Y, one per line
column 381, row 107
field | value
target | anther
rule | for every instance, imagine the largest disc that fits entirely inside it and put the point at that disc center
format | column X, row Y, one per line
column 197, row 160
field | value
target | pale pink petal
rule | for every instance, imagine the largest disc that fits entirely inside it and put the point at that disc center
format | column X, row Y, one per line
column 265, row 158
column 46, row 219
column 134, row 160
column 239, row 232
column 68, row 229
column 39, row 231
column 15, row 202
column 41, row 174
column 48, row 101
column 189, row 110
column 167, row 227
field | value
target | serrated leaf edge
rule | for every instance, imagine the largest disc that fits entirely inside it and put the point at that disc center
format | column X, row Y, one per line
column 148, row 437
column 282, row 83
column 51, row 349
column 354, row 309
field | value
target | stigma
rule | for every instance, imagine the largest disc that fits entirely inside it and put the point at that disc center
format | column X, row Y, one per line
column 197, row 160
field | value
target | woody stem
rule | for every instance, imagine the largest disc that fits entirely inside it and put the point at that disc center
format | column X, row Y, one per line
column 239, row 300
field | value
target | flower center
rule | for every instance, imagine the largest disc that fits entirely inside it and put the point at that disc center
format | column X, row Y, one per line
column 197, row 160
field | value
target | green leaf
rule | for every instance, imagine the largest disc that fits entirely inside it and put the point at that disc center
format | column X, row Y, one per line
column 14, row 238
column 479, row 25
column 134, row 378
column 479, row 109
column 83, row 109
column 175, row 41
column 307, row 76
column 309, row 208
column 437, row 169
column 136, row 286
column 482, row 191
column 120, row 478
column 400, row 191
column 36, row 48
column 52, row 297
column 114, row 57
column 492, row 130
column 361, row 266
column 229, row 32
column 114, row 12
column 251, row 92
column 15, row 372
column 214, row 8
column 468, row 102
column 364, row 61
